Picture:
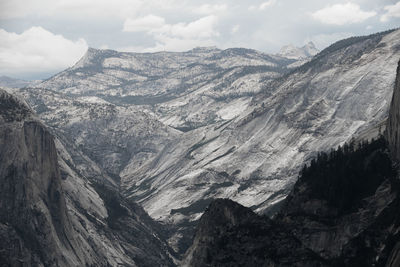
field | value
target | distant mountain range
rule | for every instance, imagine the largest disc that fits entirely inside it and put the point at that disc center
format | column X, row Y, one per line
column 6, row 81
column 299, row 53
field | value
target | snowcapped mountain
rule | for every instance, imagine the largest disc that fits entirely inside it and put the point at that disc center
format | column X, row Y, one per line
column 299, row 53
column 176, row 130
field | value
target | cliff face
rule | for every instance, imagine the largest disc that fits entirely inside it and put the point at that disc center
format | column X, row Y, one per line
column 393, row 137
column 393, row 124
column 52, row 215
column 33, row 216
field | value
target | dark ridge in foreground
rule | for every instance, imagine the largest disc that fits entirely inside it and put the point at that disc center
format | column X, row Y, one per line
column 343, row 211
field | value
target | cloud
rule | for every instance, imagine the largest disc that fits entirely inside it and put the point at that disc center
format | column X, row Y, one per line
column 82, row 9
column 37, row 50
column 235, row 29
column 263, row 5
column 147, row 23
column 392, row 11
column 175, row 37
column 267, row 4
column 341, row 14
column 198, row 29
column 208, row 9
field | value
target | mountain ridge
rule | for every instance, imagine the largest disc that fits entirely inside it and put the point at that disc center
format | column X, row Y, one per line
column 229, row 128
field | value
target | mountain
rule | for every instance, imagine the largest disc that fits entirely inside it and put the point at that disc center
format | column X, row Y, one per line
column 6, row 81
column 254, row 158
column 298, row 53
column 173, row 86
column 357, row 227
column 52, row 215
column 342, row 211
column 173, row 131
column 112, row 123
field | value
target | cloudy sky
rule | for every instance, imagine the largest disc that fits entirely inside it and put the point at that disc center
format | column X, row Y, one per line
column 41, row 37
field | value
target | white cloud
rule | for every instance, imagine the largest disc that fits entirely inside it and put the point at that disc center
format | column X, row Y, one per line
column 82, row 8
column 208, row 9
column 252, row 7
column 267, row 4
column 392, row 11
column 175, row 37
column 341, row 14
column 201, row 28
column 262, row 6
column 37, row 50
column 147, row 23
column 235, row 29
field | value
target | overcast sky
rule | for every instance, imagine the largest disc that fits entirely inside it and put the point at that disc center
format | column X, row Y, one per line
column 41, row 37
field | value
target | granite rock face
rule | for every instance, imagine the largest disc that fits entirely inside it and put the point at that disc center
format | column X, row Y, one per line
column 52, row 215
column 393, row 136
column 35, row 225
column 393, row 127
column 342, row 211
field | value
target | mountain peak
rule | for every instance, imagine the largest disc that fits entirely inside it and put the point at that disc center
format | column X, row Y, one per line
column 299, row 53
column 204, row 49
column 92, row 57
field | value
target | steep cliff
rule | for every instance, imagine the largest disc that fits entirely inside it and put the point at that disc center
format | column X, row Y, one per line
column 393, row 124
column 35, row 229
column 393, row 137
column 52, row 215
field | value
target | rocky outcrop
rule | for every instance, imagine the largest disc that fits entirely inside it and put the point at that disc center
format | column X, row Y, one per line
column 232, row 235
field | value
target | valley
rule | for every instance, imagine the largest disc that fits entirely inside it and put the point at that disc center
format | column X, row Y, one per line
column 141, row 143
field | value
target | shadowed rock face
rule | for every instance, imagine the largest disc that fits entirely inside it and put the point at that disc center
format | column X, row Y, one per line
column 393, row 127
column 32, row 206
column 232, row 235
column 311, row 229
column 393, row 137
column 51, row 215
